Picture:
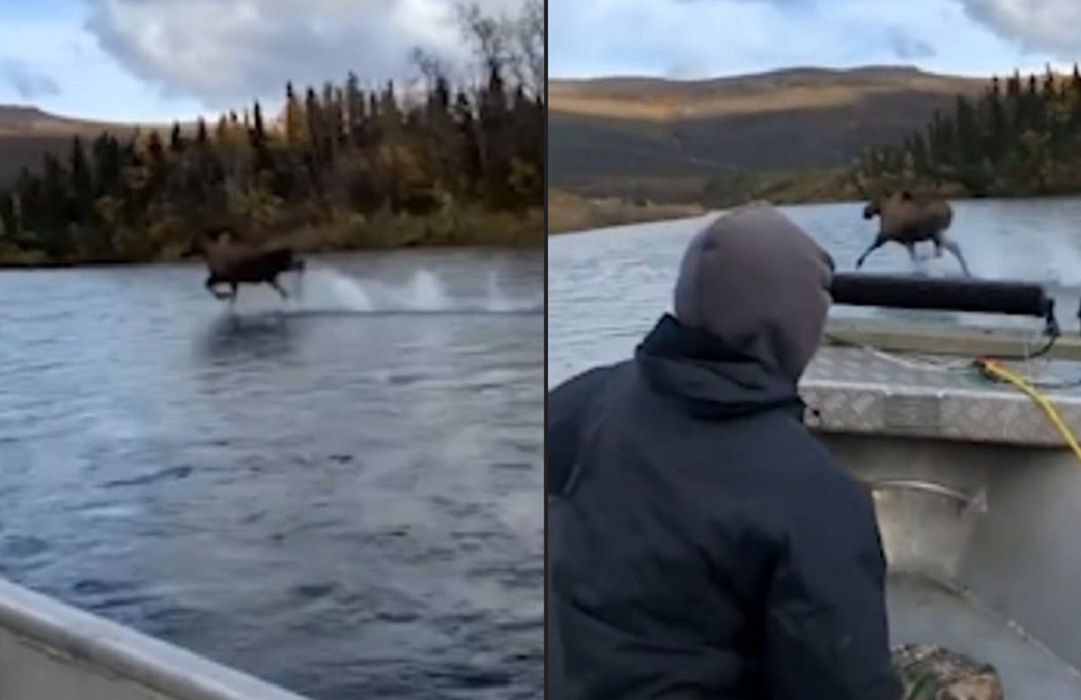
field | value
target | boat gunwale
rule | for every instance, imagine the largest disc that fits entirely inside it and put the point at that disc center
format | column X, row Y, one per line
column 158, row 665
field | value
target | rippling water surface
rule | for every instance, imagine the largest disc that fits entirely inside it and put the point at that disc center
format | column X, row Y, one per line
column 606, row 288
column 340, row 494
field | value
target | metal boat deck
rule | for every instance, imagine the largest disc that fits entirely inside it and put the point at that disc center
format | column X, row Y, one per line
column 859, row 391
column 920, row 610
column 978, row 500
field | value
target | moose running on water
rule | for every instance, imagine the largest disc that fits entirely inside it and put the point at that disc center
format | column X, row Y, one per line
column 908, row 220
column 235, row 263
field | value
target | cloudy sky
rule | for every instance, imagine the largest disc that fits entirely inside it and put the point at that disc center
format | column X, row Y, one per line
column 705, row 38
column 164, row 59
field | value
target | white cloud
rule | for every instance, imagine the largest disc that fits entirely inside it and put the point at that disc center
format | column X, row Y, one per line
column 90, row 83
column 705, row 38
column 909, row 47
column 229, row 51
column 1039, row 25
column 27, row 81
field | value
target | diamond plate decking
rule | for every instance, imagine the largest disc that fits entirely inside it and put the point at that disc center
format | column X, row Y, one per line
column 856, row 390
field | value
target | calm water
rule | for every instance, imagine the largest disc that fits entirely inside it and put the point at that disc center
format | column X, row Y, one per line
column 606, row 288
column 340, row 494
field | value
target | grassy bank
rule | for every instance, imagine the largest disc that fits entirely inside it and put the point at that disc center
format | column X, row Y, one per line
column 458, row 227
column 787, row 187
column 780, row 187
column 569, row 212
column 610, row 201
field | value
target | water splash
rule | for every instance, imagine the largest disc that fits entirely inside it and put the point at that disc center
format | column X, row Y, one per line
column 499, row 302
column 347, row 291
column 426, row 293
column 328, row 290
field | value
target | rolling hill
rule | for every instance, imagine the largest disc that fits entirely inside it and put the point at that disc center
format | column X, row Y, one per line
column 663, row 139
column 27, row 133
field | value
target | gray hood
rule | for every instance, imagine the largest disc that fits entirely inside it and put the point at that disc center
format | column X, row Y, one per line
column 756, row 281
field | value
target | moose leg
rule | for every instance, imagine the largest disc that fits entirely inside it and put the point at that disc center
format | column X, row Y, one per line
column 956, row 250
column 917, row 262
column 273, row 282
column 212, row 287
column 880, row 240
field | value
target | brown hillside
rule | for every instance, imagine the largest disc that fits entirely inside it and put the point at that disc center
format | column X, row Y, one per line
column 607, row 134
column 27, row 133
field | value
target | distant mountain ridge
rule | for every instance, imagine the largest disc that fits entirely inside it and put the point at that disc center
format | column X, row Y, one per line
column 615, row 135
column 27, row 133
column 20, row 119
column 608, row 135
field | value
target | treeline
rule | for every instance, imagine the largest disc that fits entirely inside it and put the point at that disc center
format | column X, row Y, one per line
column 1022, row 136
column 336, row 157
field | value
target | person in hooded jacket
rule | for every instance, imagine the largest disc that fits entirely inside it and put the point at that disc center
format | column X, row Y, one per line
column 702, row 544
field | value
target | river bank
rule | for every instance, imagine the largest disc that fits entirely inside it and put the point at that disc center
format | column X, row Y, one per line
column 462, row 227
column 575, row 212
column 570, row 212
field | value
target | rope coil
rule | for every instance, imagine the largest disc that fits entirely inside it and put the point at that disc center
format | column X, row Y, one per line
column 992, row 369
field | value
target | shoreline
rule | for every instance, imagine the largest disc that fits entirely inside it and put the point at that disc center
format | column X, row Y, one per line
column 629, row 214
column 9, row 266
column 571, row 213
column 452, row 230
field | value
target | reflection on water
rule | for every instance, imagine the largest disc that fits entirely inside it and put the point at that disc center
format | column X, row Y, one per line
column 233, row 337
column 337, row 493
column 606, row 288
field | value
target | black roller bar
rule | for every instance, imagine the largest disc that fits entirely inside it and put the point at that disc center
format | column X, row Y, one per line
column 963, row 294
column 968, row 295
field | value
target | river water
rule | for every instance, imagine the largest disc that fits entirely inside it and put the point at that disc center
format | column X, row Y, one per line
column 340, row 494
column 606, row 288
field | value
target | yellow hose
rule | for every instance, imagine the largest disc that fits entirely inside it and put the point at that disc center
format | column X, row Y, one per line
column 996, row 370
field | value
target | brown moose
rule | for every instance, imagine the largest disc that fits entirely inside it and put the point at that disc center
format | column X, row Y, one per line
column 909, row 219
column 234, row 263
